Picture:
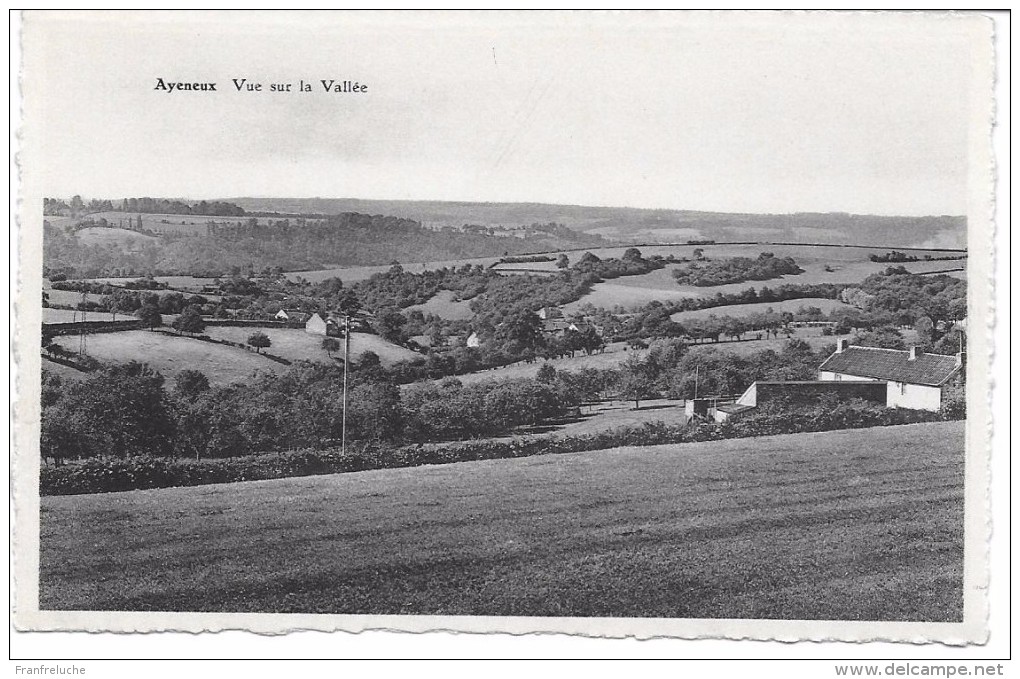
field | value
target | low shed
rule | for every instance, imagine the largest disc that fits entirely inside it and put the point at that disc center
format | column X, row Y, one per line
column 799, row 392
column 805, row 392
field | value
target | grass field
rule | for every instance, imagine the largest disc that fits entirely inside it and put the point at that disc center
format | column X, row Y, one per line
column 738, row 310
column 445, row 306
column 65, row 297
column 123, row 238
column 170, row 355
column 611, row 414
column 187, row 283
column 295, row 344
column 845, row 525
column 613, row 356
column 352, row 274
column 71, row 316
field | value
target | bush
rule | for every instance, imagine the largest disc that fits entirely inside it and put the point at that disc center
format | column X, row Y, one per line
column 105, row 474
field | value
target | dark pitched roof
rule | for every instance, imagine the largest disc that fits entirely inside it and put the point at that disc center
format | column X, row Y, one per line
column 891, row 364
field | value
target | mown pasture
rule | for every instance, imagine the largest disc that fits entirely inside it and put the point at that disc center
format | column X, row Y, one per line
column 294, row 344
column 841, row 525
column 171, row 354
column 444, row 305
column 122, row 238
column 72, row 316
column 742, row 310
column 353, row 274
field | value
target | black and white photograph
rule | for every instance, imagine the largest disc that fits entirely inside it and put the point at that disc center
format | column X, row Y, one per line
column 623, row 324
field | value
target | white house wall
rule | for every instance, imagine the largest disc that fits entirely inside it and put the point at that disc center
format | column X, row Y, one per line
column 749, row 397
column 915, row 396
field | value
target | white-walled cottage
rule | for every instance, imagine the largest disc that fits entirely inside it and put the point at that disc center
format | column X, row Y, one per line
column 914, row 379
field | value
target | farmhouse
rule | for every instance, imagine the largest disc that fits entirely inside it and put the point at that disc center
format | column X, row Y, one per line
column 897, row 379
column 913, row 378
column 294, row 315
column 549, row 312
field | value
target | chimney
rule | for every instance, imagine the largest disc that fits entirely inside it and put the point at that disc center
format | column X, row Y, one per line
column 915, row 352
column 841, row 345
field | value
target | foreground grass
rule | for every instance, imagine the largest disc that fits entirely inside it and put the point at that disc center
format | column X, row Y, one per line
column 860, row 525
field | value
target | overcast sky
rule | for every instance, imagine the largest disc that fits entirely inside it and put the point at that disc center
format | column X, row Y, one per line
column 713, row 112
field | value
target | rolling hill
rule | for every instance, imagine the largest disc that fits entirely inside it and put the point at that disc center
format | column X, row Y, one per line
column 641, row 225
column 841, row 525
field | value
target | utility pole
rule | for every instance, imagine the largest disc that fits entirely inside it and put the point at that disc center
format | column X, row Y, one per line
column 347, row 360
column 83, row 329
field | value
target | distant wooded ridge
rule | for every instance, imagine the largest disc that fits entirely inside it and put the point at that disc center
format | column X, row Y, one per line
column 652, row 225
column 626, row 225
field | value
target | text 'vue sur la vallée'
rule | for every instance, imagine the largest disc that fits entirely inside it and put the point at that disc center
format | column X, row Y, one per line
column 245, row 85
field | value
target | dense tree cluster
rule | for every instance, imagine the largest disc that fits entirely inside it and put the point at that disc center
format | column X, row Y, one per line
column 896, row 290
column 735, row 270
column 213, row 208
column 126, row 410
column 294, row 244
column 525, row 259
column 397, row 288
column 632, row 263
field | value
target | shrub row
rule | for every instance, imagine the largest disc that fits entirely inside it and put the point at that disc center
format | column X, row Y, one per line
column 103, row 475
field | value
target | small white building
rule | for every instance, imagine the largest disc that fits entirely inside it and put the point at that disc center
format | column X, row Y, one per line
column 316, row 325
column 473, row 340
column 914, row 379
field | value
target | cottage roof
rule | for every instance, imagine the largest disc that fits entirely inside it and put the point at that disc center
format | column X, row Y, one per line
column 891, row 364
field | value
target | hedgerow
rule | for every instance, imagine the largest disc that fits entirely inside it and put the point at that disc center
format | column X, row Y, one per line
column 106, row 474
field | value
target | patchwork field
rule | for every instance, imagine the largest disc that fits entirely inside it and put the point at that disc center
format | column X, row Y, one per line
column 170, row 355
column 844, row 525
column 847, row 264
column 295, row 344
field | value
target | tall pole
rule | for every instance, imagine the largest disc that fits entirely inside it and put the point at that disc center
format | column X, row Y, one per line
column 83, row 339
column 347, row 359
